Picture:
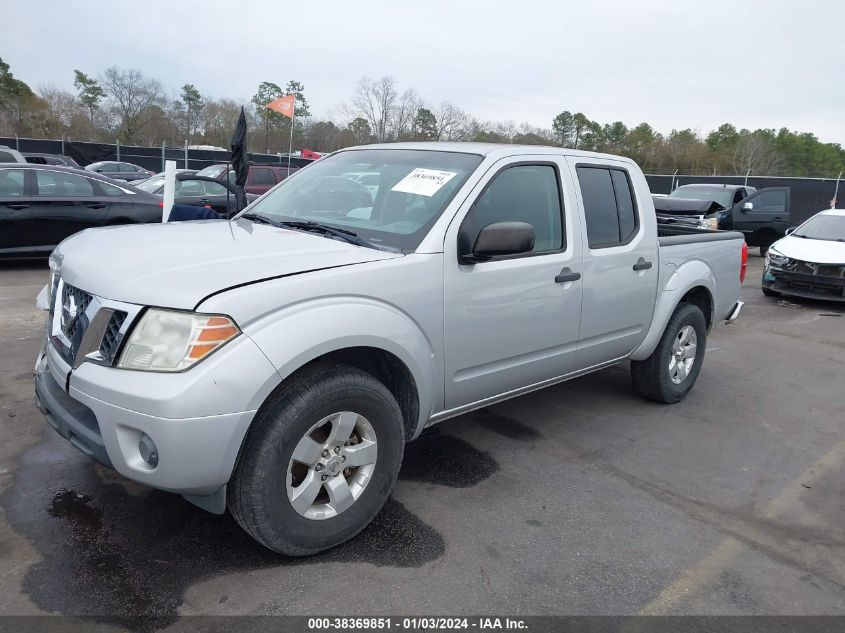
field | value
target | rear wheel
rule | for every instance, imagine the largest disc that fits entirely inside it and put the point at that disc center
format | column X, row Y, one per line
column 672, row 369
column 320, row 462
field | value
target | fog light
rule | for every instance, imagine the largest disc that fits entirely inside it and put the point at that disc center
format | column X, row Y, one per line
column 149, row 452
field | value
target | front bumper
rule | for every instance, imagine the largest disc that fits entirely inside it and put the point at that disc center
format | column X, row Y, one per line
column 799, row 284
column 105, row 412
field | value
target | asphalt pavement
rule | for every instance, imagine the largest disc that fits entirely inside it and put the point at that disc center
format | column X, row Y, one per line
column 578, row 499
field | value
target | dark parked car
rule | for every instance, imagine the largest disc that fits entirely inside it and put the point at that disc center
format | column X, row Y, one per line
column 40, row 205
column 120, row 171
column 196, row 190
column 260, row 180
column 761, row 214
column 50, row 159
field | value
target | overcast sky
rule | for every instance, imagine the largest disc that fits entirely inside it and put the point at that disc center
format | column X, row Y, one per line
column 674, row 64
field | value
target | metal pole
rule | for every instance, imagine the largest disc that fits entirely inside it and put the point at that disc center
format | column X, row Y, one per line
column 117, row 144
column 186, row 153
column 63, row 144
column 835, row 192
column 162, row 156
column 745, row 184
column 672, row 188
column 290, row 145
column 17, row 142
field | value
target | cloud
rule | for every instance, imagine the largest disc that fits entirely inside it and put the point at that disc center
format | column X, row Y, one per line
column 684, row 64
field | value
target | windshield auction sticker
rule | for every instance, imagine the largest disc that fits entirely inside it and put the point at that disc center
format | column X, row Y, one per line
column 424, row 182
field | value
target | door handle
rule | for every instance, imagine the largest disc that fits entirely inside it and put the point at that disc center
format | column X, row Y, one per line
column 17, row 206
column 642, row 264
column 95, row 205
column 567, row 275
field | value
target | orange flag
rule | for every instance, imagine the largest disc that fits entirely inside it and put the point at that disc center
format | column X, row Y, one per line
column 282, row 105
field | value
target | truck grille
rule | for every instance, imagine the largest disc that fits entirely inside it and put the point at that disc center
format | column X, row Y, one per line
column 111, row 337
column 87, row 328
column 74, row 303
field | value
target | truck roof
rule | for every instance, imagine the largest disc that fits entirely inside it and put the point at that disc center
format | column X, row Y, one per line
column 705, row 185
column 484, row 149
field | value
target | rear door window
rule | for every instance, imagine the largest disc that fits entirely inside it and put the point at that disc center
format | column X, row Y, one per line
column 60, row 184
column 263, row 176
column 189, row 188
column 609, row 207
column 12, row 183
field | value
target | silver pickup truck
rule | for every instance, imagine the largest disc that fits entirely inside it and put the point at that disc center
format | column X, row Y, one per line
column 277, row 364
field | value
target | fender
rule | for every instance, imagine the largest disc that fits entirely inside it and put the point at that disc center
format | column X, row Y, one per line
column 302, row 332
column 689, row 275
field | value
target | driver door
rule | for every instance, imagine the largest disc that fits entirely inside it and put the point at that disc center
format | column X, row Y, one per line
column 768, row 217
column 512, row 321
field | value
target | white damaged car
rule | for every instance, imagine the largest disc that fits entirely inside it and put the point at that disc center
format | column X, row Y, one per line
column 810, row 260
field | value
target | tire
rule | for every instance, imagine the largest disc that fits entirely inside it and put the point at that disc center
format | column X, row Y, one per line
column 769, row 292
column 267, row 477
column 653, row 377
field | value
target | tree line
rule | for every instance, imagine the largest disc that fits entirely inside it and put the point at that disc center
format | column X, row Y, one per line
column 126, row 105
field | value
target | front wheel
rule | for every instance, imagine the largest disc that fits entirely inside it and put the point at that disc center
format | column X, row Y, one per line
column 672, row 369
column 320, row 461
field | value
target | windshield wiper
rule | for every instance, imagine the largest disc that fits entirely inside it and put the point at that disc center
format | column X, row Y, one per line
column 257, row 217
column 317, row 227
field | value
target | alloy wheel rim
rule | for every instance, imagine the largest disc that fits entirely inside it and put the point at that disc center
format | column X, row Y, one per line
column 682, row 356
column 331, row 465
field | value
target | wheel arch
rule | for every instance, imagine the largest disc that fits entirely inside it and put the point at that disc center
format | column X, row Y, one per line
column 694, row 283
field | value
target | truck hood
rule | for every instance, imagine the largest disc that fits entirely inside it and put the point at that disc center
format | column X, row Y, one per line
column 815, row 251
column 177, row 265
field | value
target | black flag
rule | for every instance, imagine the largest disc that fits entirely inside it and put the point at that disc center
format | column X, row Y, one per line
column 240, row 162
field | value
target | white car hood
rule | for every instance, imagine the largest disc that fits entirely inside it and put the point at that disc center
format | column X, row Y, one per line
column 177, row 265
column 807, row 250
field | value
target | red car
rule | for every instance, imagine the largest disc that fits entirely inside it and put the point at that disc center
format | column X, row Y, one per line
column 261, row 178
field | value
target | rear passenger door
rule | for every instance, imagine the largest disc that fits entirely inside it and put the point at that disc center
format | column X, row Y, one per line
column 620, row 261
column 16, row 237
column 65, row 203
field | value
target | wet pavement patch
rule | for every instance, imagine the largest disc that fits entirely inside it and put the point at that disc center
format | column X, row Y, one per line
column 112, row 555
column 445, row 460
column 510, row 428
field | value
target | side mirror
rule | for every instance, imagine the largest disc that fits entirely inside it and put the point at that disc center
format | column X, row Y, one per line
column 748, row 206
column 790, row 230
column 500, row 238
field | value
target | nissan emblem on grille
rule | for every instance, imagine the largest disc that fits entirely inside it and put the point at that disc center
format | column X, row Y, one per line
column 70, row 311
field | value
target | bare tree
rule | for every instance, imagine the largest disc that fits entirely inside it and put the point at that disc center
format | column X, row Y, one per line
column 756, row 152
column 453, row 124
column 374, row 101
column 402, row 115
column 130, row 95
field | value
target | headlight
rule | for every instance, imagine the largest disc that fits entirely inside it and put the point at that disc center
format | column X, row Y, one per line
column 778, row 260
column 711, row 224
column 55, row 263
column 167, row 340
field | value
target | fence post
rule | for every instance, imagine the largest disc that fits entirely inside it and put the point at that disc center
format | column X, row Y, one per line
column 162, row 156
column 63, row 144
column 17, row 142
column 186, row 153
column 117, row 144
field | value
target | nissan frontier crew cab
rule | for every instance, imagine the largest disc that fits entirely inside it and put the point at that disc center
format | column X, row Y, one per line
column 277, row 364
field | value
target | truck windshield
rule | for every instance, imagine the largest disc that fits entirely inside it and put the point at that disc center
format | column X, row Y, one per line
column 823, row 227
column 719, row 195
column 388, row 197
